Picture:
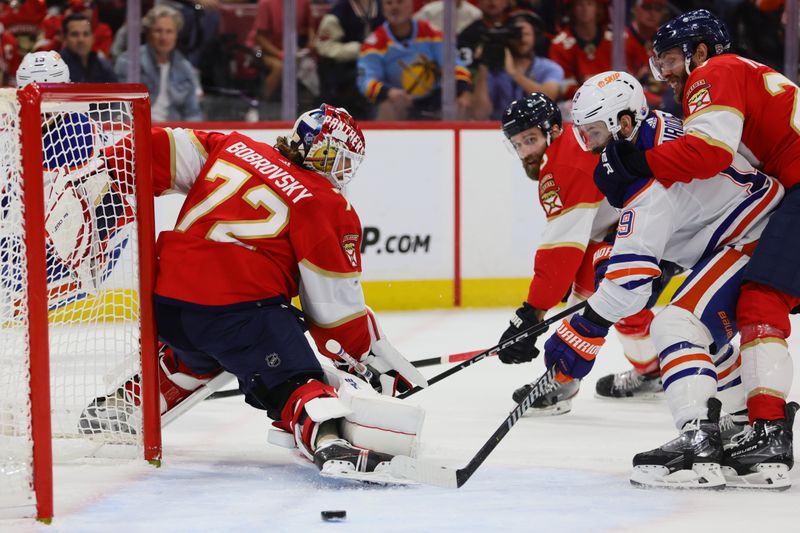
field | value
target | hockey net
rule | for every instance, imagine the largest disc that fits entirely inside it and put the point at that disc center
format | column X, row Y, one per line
column 75, row 285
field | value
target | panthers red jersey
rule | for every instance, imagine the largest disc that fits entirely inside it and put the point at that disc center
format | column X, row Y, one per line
column 733, row 104
column 577, row 214
column 580, row 59
column 256, row 226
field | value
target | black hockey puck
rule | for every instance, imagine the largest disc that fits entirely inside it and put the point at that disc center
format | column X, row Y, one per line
column 333, row 516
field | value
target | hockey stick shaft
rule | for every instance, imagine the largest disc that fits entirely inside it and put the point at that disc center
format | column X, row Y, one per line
column 443, row 360
column 536, row 329
column 441, row 476
column 431, row 361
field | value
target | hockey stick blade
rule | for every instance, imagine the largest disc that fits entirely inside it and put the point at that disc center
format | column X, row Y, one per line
column 536, row 329
column 442, row 476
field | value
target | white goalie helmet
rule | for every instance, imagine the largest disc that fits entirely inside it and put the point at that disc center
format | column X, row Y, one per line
column 330, row 142
column 598, row 103
column 42, row 67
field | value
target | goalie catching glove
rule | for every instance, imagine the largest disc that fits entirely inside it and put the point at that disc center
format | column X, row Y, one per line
column 524, row 350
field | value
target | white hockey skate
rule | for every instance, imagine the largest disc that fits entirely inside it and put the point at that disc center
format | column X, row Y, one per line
column 341, row 460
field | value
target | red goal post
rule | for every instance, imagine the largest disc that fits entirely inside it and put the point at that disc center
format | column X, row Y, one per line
column 76, row 281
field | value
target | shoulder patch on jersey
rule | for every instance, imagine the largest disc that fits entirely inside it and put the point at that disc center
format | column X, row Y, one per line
column 652, row 122
column 548, row 193
column 699, row 83
column 349, row 246
column 699, row 100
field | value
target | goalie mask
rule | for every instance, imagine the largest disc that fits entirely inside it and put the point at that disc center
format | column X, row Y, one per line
column 330, row 142
column 598, row 105
column 42, row 67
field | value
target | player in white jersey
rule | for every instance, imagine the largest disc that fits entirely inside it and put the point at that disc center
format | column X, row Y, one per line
column 87, row 215
column 709, row 226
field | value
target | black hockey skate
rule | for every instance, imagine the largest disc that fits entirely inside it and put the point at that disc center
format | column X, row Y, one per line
column 340, row 459
column 761, row 456
column 108, row 414
column 630, row 385
column 112, row 414
column 558, row 402
column 731, row 425
column 692, row 461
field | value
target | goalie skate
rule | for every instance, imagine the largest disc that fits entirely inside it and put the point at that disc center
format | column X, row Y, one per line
column 761, row 456
column 630, row 385
column 341, row 460
column 559, row 402
column 691, row 461
column 115, row 413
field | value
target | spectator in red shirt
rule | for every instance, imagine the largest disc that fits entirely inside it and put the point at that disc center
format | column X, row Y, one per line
column 22, row 20
column 648, row 15
column 267, row 36
column 9, row 58
column 583, row 48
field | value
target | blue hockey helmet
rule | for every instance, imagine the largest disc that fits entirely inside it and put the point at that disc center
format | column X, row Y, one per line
column 532, row 111
column 689, row 29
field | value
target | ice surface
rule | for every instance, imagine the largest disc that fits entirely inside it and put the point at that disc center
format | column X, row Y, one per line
column 567, row 473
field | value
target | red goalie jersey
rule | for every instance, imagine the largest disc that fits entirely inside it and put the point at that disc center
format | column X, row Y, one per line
column 720, row 94
column 256, row 226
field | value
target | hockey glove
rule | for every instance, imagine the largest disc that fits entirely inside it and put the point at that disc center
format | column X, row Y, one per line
column 525, row 349
column 574, row 345
column 621, row 165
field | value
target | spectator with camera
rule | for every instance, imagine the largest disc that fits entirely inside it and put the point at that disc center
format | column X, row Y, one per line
column 583, row 47
column 400, row 68
column 168, row 75
column 85, row 65
column 490, row 28
column 517, row 71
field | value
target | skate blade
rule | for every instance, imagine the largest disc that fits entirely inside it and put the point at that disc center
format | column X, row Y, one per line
column 561, row 408
column 345, row 470
column 702, row 476
column 644, row 397
column 768, row 476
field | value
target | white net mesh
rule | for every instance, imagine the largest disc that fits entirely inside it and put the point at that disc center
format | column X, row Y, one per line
column 92, row 284
column 16, row 445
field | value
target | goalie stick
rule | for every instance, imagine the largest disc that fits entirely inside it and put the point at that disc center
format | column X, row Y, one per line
column 536, row 329
column 442, row 476
column 431, row 361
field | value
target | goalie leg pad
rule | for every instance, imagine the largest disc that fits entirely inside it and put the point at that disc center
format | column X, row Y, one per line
column 376, row 421
column 313, row 397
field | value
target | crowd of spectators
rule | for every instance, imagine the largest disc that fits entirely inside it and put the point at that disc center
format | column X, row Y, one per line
column 381, row 59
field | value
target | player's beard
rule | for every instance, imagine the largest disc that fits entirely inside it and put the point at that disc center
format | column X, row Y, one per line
column 531, row 165
column 678, row 83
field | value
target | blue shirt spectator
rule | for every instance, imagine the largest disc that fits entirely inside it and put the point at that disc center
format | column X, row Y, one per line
column 399, row 68
column 503, row 89
column 168, row 75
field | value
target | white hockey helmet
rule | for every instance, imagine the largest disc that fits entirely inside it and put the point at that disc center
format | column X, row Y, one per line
column 42, row 67
column 597, row 105
column 330, row 142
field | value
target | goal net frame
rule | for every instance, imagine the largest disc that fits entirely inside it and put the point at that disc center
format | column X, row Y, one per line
column 31, row 101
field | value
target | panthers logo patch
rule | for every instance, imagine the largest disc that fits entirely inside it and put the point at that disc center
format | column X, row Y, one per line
column 349, row 246
column 548, row 194
column 699, row 100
